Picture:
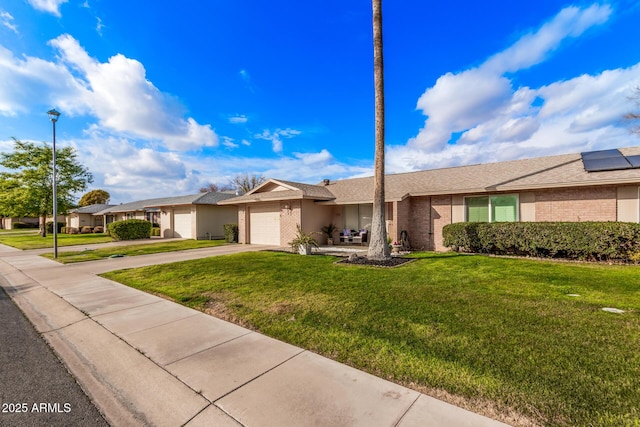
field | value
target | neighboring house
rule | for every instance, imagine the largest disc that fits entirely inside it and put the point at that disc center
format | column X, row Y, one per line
column 131, row 210
column 7, row 222
column 602, row 186
column 195, row 216
column 84, row 216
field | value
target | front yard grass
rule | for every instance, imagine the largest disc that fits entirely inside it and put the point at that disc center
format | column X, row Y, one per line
column 133, row 250
column 35, row 241
column 503, row 337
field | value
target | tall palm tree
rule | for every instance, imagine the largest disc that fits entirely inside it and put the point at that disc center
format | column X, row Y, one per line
column 378, row 247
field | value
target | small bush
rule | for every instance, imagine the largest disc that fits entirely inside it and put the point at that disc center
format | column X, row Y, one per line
column 597, row 241
column 155, row 231
column 63, row 230
column 50, row 226
column 231, row 233
column 98, row 229
column 130, row 229
column 17, row 225
column 72, row 230
column 85, row 230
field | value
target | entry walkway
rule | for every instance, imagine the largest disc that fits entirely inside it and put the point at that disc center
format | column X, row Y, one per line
column 144, row 360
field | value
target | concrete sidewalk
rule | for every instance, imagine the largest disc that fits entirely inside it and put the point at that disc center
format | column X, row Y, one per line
column 147, row 361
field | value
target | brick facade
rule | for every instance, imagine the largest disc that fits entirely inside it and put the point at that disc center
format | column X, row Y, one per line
column 576, row 204
column 290, row 217
column 424, row 217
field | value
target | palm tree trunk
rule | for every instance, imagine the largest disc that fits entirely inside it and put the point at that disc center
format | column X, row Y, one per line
column 378, row 246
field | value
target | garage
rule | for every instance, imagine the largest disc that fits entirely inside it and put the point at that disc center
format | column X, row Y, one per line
column 182, row 223
column 264, row 224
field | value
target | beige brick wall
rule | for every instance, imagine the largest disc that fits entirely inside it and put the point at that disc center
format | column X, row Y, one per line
column 290, row 217
column 441, row 216
column 576, row 204
column 401, row 219
column 420, row 223
column 242, row 224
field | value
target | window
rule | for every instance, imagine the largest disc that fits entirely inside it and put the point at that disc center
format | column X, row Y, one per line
column 358, row 217
column 492, row 208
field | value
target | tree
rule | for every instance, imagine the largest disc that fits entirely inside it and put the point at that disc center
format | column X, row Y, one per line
column 95, row 197
column 26, row 186
column 378, row 246
column 635, row 117
column 215, row 188
column 245, row 182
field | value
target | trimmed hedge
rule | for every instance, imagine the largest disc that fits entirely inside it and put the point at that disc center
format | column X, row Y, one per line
column 593, row 241
column 17, row 225
column 231, row 233
column 50, row 226
column 130, row 229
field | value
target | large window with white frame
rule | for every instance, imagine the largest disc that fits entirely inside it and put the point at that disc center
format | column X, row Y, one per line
column 497, row 208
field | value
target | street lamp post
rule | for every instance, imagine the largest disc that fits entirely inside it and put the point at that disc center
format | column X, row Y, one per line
column 53, row 115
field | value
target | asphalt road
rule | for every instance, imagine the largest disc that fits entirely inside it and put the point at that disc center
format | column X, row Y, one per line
column 35, row 387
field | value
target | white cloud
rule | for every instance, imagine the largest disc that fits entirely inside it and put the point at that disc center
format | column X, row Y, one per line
column 238, row 119
column 99, row 25
column 119, row 95
column 533, row 48
column 228, row 142
column 49, row 6
column 477, row 116
column 26, row 79
column 6, row 20
column 317, row 159
column 131, row 173
column 276, row 136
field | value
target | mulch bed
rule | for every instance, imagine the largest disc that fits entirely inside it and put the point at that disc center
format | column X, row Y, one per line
column 361, row 260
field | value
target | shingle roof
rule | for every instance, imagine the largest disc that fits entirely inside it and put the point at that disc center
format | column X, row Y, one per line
column 149, row 204
column 210, row 198
column 294, row 190
column 517, row 175
column 90, row 209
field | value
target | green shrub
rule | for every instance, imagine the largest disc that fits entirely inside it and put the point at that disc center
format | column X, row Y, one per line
column 231, row 233
column 17, row 225
column 50, row 226
column 155, row 231
column 599, row 241
column 130, row 229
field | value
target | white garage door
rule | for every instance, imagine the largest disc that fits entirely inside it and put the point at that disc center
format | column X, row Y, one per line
column 182, row 223
column 264, row 224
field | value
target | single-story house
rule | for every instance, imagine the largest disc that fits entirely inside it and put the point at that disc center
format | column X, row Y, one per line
column 596, row 186
column 131, row 210
column 84, row 216
column 7, row 222
column 195, row 216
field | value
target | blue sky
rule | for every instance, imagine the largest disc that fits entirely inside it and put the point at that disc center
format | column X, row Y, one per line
column 160, row 98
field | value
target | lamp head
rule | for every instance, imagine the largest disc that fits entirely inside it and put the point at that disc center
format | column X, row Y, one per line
column 53, row 115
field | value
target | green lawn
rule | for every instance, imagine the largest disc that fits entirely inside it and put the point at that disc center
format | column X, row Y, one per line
column 504, row 334
column 34, row 241
column 132, row 250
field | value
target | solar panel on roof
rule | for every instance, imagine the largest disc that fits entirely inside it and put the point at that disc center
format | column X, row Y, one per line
column 634, row 160
column 606, row 164
column 601, row 154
